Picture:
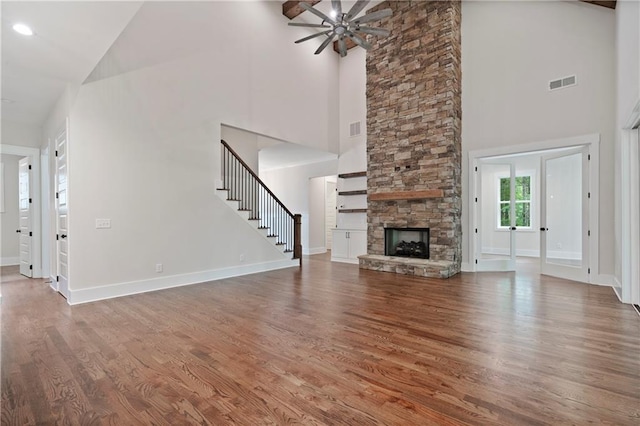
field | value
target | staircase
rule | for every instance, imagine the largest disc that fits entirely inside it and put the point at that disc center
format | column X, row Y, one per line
column 244, row 191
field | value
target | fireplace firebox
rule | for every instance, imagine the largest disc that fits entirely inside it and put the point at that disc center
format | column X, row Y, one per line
column 406, row 242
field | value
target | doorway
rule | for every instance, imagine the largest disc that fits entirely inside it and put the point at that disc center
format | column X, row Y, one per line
column 534, row 208
column 330, row 206
column 31, row 235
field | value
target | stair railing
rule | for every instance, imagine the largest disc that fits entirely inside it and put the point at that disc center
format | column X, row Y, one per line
column 253, row 196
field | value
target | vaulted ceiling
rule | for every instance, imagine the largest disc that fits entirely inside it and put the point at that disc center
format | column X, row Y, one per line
column 71, row 37
column 292, row 9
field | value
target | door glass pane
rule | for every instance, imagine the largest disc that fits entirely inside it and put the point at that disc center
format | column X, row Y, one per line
column 495, row 237
column 564, row 210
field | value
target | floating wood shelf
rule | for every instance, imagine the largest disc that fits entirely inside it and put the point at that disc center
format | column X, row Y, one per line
column 352, row 175
column 407, row 195
column 358, row 192
column 352, row 211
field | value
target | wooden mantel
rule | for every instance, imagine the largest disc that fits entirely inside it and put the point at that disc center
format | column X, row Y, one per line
column 407, row 195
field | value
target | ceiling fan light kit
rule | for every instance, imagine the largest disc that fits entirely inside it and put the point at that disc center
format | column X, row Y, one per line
column 344, row 26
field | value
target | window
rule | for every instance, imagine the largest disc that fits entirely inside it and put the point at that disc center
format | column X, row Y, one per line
column 523, row 202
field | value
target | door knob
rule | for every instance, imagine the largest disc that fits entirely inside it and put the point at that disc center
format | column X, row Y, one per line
column 63, row 236
column 544, row 229
column 18, row 231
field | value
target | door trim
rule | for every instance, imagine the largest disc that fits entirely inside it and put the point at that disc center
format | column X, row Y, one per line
column 628, row 288
column 593, row 142
column 34, row 160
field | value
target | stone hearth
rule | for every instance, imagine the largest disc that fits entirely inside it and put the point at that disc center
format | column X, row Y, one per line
column 413, row 140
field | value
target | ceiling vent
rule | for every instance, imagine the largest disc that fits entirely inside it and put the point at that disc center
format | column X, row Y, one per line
column 354, row 129
column 562, row 82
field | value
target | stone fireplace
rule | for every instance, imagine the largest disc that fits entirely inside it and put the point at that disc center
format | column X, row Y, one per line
column 413, row 140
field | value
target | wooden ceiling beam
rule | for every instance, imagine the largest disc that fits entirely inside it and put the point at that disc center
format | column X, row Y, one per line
column 350, row 44
column 610, row 4
column 292, row 8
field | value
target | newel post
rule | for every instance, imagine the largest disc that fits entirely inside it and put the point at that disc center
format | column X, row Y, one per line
column 297, row 237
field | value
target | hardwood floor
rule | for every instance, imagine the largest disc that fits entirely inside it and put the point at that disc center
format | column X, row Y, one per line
column 324, row 344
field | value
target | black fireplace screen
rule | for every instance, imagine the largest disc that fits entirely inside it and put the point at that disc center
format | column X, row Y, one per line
column 406, row 242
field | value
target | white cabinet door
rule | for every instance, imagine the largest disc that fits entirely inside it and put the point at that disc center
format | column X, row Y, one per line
column 348, row 245
column 339, row 245
column 357, row 244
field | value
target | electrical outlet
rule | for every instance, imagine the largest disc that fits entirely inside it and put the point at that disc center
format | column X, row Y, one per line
column 242, row 258
column 158, row 267
column 103, row 223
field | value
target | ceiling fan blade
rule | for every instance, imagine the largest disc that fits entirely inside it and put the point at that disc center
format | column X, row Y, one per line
column 304, row 24
column 380, row 14
column 342, row 47
column 359, row 40
column 313, row 36
column 325, row 43
column 336, row 5
column 357, row 8
column 307, row 6
column 373, row 31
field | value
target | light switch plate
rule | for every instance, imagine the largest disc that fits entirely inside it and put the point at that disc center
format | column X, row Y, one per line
column 103, row 223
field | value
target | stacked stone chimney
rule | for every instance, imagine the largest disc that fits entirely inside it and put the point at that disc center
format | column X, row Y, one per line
column 414, row 126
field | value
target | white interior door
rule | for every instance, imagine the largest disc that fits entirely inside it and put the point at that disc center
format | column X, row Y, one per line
column 24, row 206
column 564, row 233
column 62, row 214
column 330, row 212
column 495, row 215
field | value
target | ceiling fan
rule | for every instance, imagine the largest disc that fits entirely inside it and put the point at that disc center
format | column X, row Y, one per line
column 344, row 25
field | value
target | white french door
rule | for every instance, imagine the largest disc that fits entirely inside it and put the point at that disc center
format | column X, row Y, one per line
column 495, row 208
column 564, row 232
column 62, row 214
column 24, row 207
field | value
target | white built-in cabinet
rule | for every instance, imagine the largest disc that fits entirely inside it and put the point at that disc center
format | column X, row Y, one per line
column 348, row 244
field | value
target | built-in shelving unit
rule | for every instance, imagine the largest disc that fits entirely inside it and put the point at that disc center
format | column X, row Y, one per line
column 350, row 238
column 356, row 205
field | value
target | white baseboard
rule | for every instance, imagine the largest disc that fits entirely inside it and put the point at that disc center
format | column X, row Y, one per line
column 466, row 267
column 505, row 251
column 603, row 279
column 617, row 288
column 532, row 253
column 53, row 283
column 135, row 287
column 9, row 261
column 315, row 250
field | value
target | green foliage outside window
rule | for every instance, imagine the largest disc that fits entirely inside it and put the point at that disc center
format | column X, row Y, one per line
column 523, row 201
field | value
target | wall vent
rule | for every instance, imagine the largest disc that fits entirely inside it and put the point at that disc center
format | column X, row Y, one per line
column 562, row 82
column 354, row 129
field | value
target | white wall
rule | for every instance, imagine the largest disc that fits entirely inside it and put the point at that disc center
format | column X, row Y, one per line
column 10, row 254
column 144, row 145
column 628, row 93
column 245, row 144
column 317, row 228
column 293, row 186
column 353, row 149
column 627, row 57
column 20, row 134
column 508, row 59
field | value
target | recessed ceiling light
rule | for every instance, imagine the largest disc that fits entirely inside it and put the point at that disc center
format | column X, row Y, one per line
column 23, row 29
